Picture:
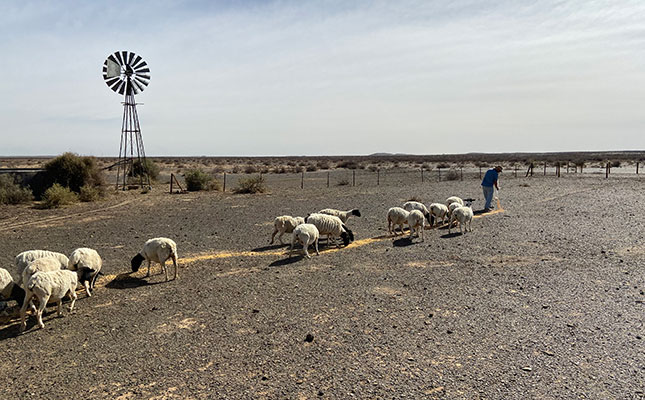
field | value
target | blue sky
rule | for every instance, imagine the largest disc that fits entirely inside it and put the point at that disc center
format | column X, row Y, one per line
column 327, row 77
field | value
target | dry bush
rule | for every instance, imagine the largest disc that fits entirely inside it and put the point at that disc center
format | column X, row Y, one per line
column 197, row 180
column 323, row 165
column 57, row 196
column 349, row 165
column 452, row 175
column 90, row 193
column 311, row 168
column 343, row 182
column 12, row 193
column 72, row 171
column 251, row 169
column 149, row 167
column 254, row 184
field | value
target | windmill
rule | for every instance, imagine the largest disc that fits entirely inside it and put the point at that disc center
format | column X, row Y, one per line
column 128, row 74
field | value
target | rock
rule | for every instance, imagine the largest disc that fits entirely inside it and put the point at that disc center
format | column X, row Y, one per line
column 309, row 338
column 527, row 369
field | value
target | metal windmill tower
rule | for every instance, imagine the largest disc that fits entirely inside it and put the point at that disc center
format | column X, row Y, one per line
column 128, row 74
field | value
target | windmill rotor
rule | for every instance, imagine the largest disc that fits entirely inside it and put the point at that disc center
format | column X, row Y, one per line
column 126, row 73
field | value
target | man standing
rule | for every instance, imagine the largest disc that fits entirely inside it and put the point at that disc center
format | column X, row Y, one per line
column 490, row 182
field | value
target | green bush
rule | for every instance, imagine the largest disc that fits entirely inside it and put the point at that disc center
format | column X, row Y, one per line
column 13, row 193
column 150, row 166
column 254, row 184
column 89, row 193
column 73, row 172
column 196, row 180
column 57, row 196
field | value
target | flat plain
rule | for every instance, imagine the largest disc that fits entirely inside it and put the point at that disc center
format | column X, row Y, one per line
column 543, row 299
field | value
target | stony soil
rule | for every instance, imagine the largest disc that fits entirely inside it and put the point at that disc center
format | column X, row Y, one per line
column 542, row 300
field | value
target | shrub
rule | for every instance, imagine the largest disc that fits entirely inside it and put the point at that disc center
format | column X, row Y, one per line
column 250, row 169
column 196, row 180
column 615, row 164
column 72, row 171
column 89, row 193
column 348, row 165
column 443, row 165
column 343, row 182
column 323, row 164
column 253, row 184
column 311, row 168
column 13, row 193
column 452, row 175
column 57, row 196
column 139, row 167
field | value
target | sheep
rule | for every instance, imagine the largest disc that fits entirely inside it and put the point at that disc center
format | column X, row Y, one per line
column 87, row 263
column 305, row 234
column 331, row 226
column 415, row 205
column 454, row 199
column 396, row 216
column 463, row 215
column 343, row 215
column 45, row 264
column 26, row 257
column 158, row 250
column 45, row 286
column 438, row 210
column 417, row 221
column 285, row 224
column 452, row 207
column 9, row 290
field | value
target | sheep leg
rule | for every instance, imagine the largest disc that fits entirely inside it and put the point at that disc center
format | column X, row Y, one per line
column 39, row 313
column 72, row 294
column 316, row 244
column 305, row 247
column 423, row 238
column 23, row 311
column 174, row 262
column 86, row 284
column 94, row 278
column 273, row 235
column 163, row 268
column 148, row 274
column 293, row 242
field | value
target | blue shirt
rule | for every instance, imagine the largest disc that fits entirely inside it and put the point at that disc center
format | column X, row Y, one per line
column 490, row 178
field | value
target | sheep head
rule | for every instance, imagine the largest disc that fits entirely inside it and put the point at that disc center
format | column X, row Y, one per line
column 136, row 262
column 356, row 212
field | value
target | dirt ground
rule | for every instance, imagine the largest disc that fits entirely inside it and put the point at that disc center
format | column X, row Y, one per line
column 543, row 299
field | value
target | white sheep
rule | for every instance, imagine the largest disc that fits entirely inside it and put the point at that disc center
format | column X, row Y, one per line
column 45, row 286
column 306, row 234
column 331, row 226
column 454, row 199
column 45, row 264
column 9, row 290
column 343, row 215
column 28, row 256
column 396, row 216
column 417, row 222
column 87, row 263
column 452, row 207
column 415, row 205
column 463, row 215
column 437, row 211
column 285, row 224
column 158, row 250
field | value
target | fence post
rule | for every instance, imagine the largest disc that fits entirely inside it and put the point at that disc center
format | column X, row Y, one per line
column 637, row 168
column 327, row 178
column 515, row 171
column 439, row 171
column 480, row 172
column 557, row 169
column 545, row 168
column 224, row 187
column 378, row 177
column 607, row 168
column 353, row 177
column 567, row 167
column 461, row 170
column 171, row 176
column 422, row 175
column 302, row 180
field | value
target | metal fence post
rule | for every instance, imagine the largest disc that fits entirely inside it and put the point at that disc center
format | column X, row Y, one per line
column 353, row 177
column 224, row 187
column 378, row 177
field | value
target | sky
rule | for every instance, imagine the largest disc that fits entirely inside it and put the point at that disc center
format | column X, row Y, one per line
column 338, row 77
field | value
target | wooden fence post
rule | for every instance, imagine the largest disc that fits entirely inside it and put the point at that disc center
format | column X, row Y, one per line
column 461, row 171
column 224, row 187
column 567, row 167
column 302, row 180
column 171, row 179
column 378, row 177
column 544, row 168
column 353, row 177
column 439, row 175
column 515, row 171
column 557, row 169
column 637, row 168
column 421, row 175
column 607, row 168
column 480, row 172
column 327, row 178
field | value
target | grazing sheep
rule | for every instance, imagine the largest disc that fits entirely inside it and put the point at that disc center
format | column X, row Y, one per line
column 415, row 205
column 463, row 215
column 331, row 226
column 285, row 224
column 452, row 207
column 28, row 256
column 87, row 264
column 396, row 216
column 454, row 199
column 343, row 215
column 9, row 290
column 438, row 210
column 45, row 286
column 158, row 250
column 417, row 222
column 305, row 234
column 45, row 264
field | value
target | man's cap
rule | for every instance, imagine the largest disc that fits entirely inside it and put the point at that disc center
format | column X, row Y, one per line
column 499, row 167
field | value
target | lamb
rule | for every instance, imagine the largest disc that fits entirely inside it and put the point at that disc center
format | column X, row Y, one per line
column 464, row 215
column 44, row 286
column 415, row 205
column 438, row 210
column 452, row 207
column 331, row 226
column 158, row 250
column 305, row 234
column 87, row 263
column 285, row 224
column 343, row 215
column 396, row 216
column 28, row 256
column 454, row 199
column 9, row 290
column 45, row 264
column 417, row 221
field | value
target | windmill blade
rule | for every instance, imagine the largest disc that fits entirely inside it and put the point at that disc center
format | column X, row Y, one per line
column 140, row 71
column 111, row 57
column 112, row 81
column 136, row 61
column 131, row 56
column 124, row 55
column 137, row 85
column 118, row 57
column 117, row 86
column 142, row 76
column 142, row 82
column 122, row 88
column 140, row 65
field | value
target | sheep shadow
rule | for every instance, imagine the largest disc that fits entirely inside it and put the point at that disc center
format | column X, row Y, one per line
column 286, row 261
column 126, row 281
column 269, row 247
column 451, row 235
column 403, row 242
column 11, row 328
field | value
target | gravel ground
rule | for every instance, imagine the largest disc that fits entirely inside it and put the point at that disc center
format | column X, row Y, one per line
column 543, row 300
